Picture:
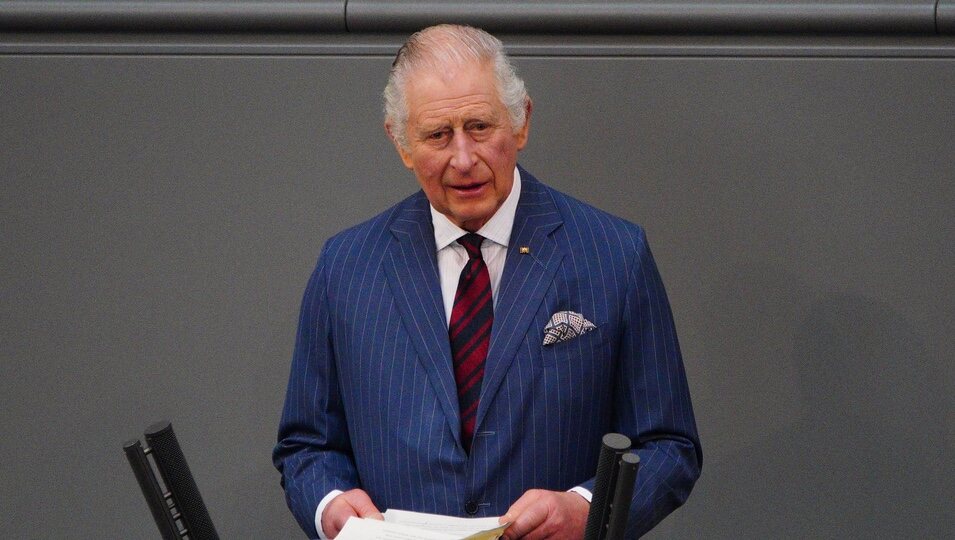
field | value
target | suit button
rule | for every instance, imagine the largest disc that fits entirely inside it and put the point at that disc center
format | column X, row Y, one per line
column 471, row 507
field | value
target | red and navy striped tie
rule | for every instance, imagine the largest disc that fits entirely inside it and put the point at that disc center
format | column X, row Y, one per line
column 470, row 332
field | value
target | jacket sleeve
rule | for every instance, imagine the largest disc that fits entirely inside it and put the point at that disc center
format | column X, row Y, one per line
column 651, row 399
column 313, row 452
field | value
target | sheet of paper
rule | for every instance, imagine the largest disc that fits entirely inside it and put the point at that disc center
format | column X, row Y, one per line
column 459, row 527
column 490, row 534
column 373, row 529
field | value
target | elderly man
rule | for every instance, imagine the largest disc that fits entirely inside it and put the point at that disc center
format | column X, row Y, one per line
column 463, row 352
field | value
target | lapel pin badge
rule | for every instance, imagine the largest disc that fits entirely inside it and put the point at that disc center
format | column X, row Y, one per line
column 525, row 250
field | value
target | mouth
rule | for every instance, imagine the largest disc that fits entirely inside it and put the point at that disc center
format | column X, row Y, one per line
column 472, row 188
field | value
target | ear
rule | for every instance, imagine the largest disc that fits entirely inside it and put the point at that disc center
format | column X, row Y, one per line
column 523, row 133
column 404, row 153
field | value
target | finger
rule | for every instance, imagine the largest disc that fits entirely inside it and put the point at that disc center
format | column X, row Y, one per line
column 529, row 521
column 335, row 515
column 565, row 517
column 520, row 505
column 526, row 515
column 363, row 506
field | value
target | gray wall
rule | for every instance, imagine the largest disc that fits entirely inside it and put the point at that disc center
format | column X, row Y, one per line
column 163, row 199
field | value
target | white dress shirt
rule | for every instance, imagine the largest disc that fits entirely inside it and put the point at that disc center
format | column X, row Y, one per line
column 452, row 256
column 451, row 260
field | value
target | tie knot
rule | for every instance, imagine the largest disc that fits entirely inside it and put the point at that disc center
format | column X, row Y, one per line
column 472, row 243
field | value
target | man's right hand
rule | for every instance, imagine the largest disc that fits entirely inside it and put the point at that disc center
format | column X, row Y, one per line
column 354, row 502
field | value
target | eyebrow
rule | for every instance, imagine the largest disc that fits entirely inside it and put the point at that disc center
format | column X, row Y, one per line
column 431, row 128
column 488, row 117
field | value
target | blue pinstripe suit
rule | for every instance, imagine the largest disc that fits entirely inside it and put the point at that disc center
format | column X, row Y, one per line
column 372, row 401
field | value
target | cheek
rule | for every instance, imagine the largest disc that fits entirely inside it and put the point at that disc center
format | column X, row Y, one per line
column 429, row 172
column 428, row 166
column 504, row 150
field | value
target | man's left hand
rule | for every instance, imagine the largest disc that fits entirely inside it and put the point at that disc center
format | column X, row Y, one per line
column 540, row 514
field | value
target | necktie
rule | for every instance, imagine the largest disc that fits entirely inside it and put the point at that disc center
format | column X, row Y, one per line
column 470, row 332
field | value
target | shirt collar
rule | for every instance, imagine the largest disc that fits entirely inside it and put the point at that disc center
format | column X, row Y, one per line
column 497, row 229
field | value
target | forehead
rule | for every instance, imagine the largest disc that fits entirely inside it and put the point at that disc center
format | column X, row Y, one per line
column 434, row 93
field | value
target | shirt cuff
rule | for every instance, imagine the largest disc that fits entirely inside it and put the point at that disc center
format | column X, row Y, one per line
column 583, row 492
column 321, row 508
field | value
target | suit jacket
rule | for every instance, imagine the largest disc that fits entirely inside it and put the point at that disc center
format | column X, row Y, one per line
column 372, row 401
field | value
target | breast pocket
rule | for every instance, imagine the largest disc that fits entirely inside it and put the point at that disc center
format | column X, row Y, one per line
column 584, row 349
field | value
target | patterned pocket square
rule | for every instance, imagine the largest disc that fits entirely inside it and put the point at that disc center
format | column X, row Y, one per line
column 564, row 326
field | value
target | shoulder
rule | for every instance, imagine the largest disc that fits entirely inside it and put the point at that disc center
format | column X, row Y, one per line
column 363, row 241
column 583, row 220
column 368, row 234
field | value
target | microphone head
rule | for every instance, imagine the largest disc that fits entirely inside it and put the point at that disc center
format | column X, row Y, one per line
column 617, row 442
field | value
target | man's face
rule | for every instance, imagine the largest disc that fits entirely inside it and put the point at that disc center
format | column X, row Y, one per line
column 461, row 144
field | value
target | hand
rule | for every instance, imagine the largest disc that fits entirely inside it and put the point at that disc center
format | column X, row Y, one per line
column 354, row 502
column 542, row 514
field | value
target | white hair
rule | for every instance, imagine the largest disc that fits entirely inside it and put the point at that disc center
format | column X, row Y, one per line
column 439, row 46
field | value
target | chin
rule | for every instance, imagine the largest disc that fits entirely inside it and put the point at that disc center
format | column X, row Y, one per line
column 472, row 217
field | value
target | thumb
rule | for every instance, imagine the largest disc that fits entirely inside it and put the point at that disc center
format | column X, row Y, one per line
column 366, row 508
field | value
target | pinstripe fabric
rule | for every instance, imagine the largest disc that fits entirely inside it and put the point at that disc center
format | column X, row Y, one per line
column 372, row 399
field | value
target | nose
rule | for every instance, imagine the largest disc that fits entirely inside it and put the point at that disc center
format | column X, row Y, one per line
column 462, row 148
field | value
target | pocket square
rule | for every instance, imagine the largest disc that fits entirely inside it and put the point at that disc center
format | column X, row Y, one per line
column 564, row 326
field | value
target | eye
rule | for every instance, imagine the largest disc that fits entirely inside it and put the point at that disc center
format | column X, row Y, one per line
column 437, row 135
column 478, row 126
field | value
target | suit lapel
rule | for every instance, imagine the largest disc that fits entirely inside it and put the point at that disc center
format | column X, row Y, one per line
column 412, row 270
column 525, row 281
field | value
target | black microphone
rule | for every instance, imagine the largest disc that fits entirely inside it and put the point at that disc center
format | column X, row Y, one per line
column 155, row 498
column 613, row 445
column 620, row 509
column 178, row 479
